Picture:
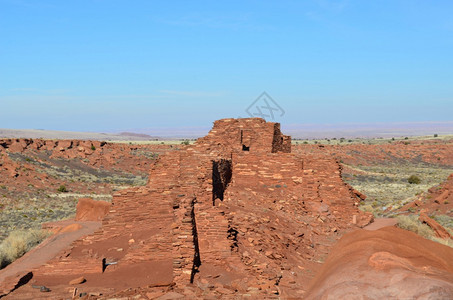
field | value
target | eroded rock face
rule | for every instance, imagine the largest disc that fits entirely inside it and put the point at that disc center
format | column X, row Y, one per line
column 389, row 263
column 91, row 210
column 235, row 214
column 440, row 198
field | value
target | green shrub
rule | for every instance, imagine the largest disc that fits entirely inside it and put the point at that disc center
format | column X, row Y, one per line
column 62, row 189
column 93, row 147
column 414, row 179
column 436, row 135
column 18, row 243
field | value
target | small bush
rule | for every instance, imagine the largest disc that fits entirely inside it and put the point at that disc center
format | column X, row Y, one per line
column 436, row 135
column 185, row 142
column 62, row 189
column 18, row 243
column 93, row 147
column 414, row 179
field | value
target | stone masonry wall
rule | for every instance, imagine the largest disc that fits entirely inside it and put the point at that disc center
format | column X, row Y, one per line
column 194, row 212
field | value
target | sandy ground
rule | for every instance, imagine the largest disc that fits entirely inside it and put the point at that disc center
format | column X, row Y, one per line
column 47, row 249
column 380, row 223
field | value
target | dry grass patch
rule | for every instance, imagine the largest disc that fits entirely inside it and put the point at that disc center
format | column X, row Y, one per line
column 412, row 223
column 18, row 243
column 387, row 185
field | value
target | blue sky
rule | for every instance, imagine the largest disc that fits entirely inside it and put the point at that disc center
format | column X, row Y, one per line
column 111, row 65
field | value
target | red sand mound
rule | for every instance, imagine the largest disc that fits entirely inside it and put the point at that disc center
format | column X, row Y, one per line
column 389, row 263
column 91, row 210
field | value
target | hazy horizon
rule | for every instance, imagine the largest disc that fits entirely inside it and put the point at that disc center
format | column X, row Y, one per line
column 313, row 131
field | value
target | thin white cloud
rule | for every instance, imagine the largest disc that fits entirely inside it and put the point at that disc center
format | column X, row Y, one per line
column 192, row 93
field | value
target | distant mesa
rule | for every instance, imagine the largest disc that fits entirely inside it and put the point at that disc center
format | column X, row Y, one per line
column 139, row 135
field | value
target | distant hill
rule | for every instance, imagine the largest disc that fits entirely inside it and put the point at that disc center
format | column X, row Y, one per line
column 73, row 135
column 139, row 135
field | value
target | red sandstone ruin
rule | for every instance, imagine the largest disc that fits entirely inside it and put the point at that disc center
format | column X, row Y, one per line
column 236, row 213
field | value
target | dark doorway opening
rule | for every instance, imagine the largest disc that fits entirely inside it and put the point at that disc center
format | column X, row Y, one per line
column 221, row 177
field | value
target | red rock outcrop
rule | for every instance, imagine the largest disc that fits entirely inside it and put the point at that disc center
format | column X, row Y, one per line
column 91, row 210
column 235, row 214
column 436, row 227
column 440, row 198
column 389, row 263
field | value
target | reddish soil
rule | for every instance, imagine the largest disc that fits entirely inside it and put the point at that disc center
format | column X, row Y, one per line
column 428, row 152
column 381, row 223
